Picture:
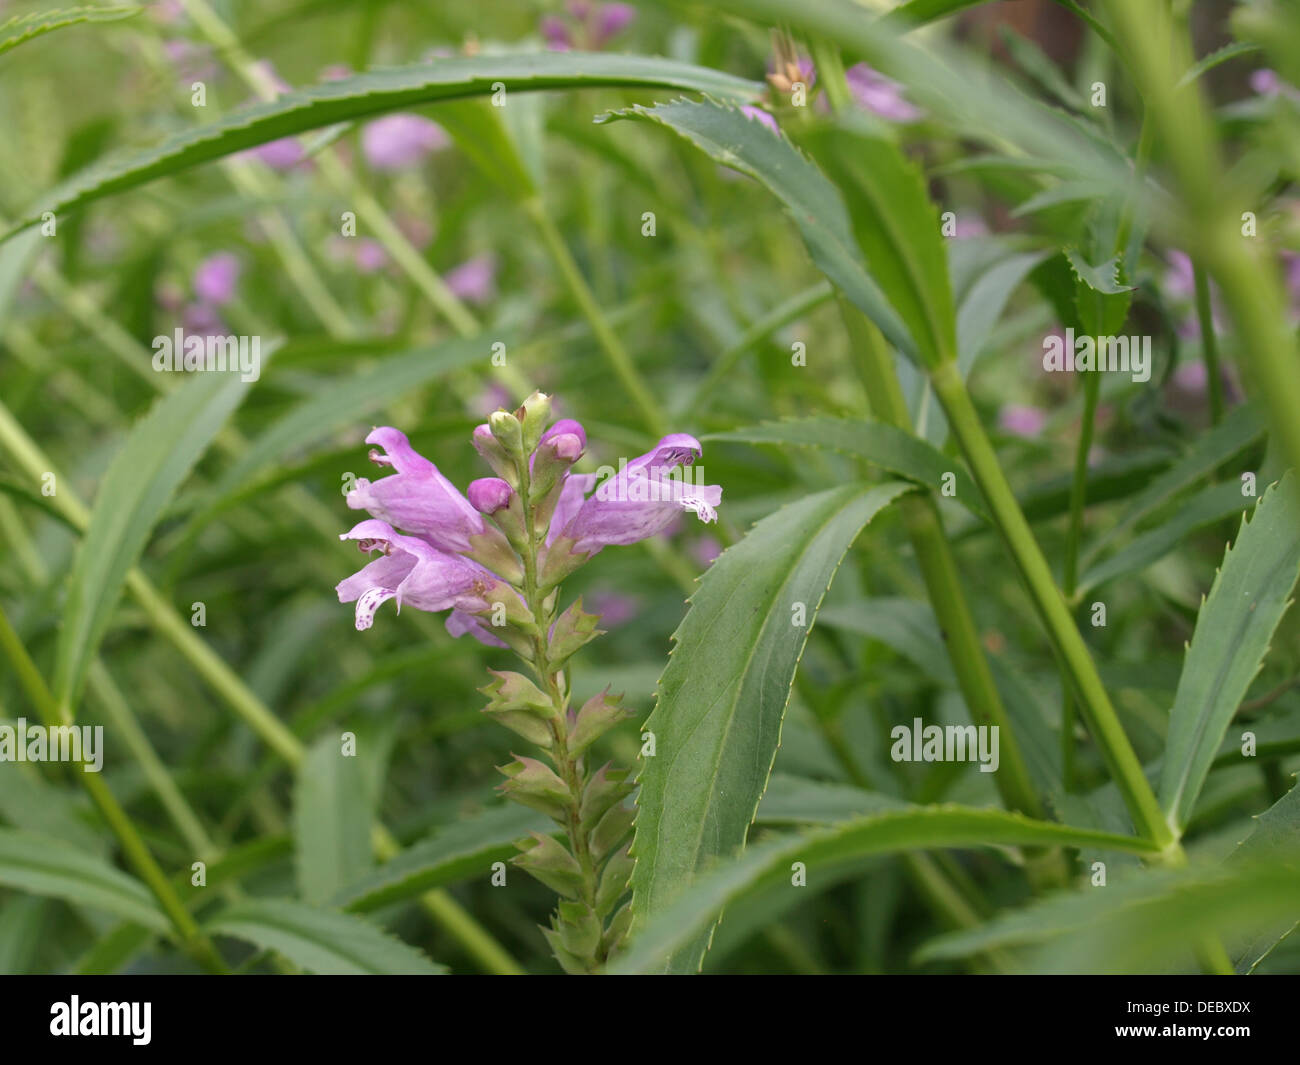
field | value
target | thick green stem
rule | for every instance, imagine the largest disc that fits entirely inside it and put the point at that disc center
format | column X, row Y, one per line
column 1073, row 654
column 938, row 569
column 1070, row 569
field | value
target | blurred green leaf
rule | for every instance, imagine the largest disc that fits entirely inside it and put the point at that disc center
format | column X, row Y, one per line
column 331, row 821
column 156, row 457
column 50, row 867
column 321, row 941
column 453, row 853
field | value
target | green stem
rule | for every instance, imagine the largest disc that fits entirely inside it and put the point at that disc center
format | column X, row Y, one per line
column 1070, row 569
column 1102, row 720
column 198, row 945
column 939, row 570
column 615, row 353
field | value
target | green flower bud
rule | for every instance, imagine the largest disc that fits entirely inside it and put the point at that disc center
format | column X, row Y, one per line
column 534, row 414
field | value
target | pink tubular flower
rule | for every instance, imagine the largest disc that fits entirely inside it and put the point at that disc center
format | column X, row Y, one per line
column 474, row 280
column 414, row 573
column 401, row 141
column 880, row 95
column 640, row 500
column 216, row 278
column 417, row 498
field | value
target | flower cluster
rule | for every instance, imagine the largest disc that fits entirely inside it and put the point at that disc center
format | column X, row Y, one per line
column 495, row 558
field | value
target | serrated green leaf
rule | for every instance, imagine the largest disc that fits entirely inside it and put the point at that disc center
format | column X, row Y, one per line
column 453, row 853
column 49, row 867
column 373, row 93
column 765, row 869
column 1148, row 922
column 722, row 698
column 883, row 445
column 797, row 801
column 321, row 941
column 26, row 27
column 1233, row 631
column 157, row 455
column 331, row 822
column 1276, row 834
column 734, row 140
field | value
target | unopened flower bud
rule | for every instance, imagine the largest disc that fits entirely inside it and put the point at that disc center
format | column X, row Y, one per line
column 508, row 432
column 487, row 495
column 533, row 415
column 489, row 447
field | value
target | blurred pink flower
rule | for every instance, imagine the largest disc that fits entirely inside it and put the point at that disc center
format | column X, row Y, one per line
column 585, row 25
column 369, row 255
column 401, row 141
column 614, row 608
column 705, row 550
column 765, row 117
column 215, row 279
column 1191, row 377
column 880, row 95
column 474, row 280
column 1020, row 420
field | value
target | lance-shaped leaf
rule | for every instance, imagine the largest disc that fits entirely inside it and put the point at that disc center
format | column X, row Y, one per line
column 157, row 456
column 1233, row 629
column 733, row 139
column 722, row 699
column 757, row 883
column 321, row 941
column 373, row 93
column 32, row 24
column 1275, row 836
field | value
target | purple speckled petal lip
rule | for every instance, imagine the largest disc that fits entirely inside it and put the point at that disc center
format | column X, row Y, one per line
column 411, row 572
column 417, row 497
column 400, row 141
